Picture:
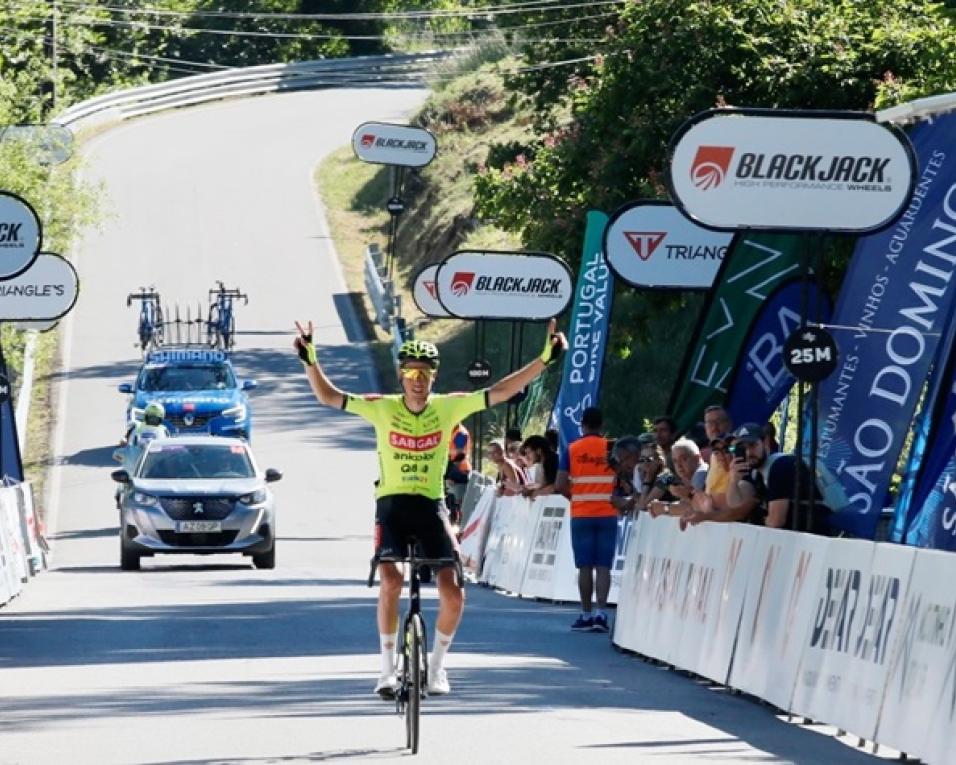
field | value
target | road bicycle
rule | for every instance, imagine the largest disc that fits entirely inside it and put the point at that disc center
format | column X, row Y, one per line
column 221, row 324
column 150, row 327
column 413, row 674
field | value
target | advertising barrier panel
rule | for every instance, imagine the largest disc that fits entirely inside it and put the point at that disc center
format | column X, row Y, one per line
column 717, row 604
column 846, row 655
column 514, row 543
column 474, row 531
column 383, row 143
column 17, row 571
column 550, row 573
column 650, row 244
column 790, row 170
column 778, row 609
column 920, row 682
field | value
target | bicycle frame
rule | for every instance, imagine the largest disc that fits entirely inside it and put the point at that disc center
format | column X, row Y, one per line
column 414, row 672
column 150, row 328
column 220, row 328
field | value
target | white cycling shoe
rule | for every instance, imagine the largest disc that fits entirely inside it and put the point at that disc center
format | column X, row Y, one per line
column 387, row 686
column 438, row 683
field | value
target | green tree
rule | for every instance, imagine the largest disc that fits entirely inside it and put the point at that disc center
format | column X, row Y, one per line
column 665, row 61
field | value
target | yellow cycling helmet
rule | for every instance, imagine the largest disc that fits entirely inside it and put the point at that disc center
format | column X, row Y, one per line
column 418, row 350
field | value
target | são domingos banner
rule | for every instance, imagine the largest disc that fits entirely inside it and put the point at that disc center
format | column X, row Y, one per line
column 587, row 335
column 756, row 265
column 897, row 299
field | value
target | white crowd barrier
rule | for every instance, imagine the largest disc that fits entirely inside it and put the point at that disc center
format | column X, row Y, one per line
column 21, row 547
column 856, row 634
column 852, row 633
column 524, row 546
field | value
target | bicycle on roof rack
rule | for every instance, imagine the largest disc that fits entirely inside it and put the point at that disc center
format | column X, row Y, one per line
column 221, row 324
column 151, row 328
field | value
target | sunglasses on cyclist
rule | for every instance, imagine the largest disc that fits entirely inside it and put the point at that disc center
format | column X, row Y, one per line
column 414, row 373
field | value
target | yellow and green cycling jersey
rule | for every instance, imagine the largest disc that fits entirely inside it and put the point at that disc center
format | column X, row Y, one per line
column 413, row 447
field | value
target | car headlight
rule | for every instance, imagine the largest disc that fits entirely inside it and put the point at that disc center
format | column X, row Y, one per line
column 148, row 500
column 256, row 497
column 136, row 414
column 236, row 412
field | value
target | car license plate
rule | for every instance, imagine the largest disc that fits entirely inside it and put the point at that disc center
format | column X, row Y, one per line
column 187, row 527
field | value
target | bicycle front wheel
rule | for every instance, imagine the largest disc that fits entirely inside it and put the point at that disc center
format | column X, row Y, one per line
column 414, row 678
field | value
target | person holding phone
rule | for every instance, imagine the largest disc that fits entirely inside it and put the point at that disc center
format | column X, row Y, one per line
column 741, row 501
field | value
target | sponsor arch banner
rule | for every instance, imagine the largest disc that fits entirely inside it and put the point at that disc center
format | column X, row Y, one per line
column 425, row 293
column 516, row 286
column 651, row 244
column 383, row 143
column 788, row 170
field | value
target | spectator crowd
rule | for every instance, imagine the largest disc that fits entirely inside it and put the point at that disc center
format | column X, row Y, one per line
column 717, row 473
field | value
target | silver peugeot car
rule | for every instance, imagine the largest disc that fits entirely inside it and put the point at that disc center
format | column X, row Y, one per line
column 195, row 495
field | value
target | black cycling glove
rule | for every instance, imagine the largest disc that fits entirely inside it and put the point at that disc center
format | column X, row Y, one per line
column 306, row 350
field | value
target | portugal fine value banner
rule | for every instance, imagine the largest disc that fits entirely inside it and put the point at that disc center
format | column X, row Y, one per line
column 898, row 297
column 587, row 335
column 755, row 267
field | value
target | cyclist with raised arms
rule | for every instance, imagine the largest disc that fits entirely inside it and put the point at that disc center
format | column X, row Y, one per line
column 412, row 433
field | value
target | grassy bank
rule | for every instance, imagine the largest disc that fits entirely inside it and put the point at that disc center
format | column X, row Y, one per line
column 467, row 115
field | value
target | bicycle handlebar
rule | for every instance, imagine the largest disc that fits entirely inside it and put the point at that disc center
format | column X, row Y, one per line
column 416, row 562
column 223, row 291
column 143, row 294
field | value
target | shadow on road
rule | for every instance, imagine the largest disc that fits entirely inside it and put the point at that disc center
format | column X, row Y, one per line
column 98, row 456
column 531, row 662
column 108, row 531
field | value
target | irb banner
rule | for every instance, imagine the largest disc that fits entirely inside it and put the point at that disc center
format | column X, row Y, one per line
column 587, row 335
column 898, row 297
column 760, row 380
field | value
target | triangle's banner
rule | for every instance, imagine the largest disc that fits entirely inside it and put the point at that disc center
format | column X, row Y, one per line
column 892, row 314
column 760, row 380
column 755, row 266
column 587, row 334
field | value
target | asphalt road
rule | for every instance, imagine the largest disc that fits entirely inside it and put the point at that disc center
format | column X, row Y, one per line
column 207, row 660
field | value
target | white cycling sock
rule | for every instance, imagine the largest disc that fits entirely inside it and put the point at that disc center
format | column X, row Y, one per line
column 387, row 642
column 440, row 650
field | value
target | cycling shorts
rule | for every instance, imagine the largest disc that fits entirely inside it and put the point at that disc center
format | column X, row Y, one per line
column 400, row 518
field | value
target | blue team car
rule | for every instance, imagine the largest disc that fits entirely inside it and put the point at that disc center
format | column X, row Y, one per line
column 198, row 389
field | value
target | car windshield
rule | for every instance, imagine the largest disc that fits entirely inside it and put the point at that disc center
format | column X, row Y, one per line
column 187, row 377
column 196, row 461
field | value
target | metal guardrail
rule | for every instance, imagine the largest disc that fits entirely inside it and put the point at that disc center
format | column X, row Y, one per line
column 387, row 305
column 378, row 288
column 384, row 70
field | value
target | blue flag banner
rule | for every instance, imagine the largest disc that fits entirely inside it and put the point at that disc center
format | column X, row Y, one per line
column 587, row 335
column 11, row 466
column 934, row 437
column 895, row 305
column 761, row 381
